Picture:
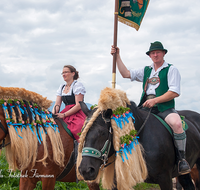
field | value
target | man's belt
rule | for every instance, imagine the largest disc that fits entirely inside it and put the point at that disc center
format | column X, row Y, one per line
column 150, row 96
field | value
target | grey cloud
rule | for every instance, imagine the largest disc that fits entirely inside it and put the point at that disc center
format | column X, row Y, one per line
column 38, row 37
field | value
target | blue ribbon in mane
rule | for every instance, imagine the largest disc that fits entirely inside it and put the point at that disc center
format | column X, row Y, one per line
column 26, row 110
column 36, row 111
column 5, row 108
column 130, row 114
column 20, row 108
column 11, row 110
column 33, row 115
column 30, row 126
column 121, row 118
column 128, row 148
column 43, row 115
column 39, row 129
column 37, row 134
column 23, row 126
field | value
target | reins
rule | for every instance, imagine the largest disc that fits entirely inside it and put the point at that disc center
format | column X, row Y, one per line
column 144, row 122
column 55, row 109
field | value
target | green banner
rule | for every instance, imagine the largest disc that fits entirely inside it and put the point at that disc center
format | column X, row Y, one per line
column 131, row 12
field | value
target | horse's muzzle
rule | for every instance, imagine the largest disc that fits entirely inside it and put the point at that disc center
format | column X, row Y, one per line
column 88, row 172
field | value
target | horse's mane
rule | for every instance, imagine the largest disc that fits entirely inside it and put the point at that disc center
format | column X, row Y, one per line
column 29, row 122
column 133, row 170
column 23, row 94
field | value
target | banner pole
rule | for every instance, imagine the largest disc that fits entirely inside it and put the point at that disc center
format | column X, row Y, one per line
column 115, row 43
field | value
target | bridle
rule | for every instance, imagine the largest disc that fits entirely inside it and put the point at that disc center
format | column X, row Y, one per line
column 6, row 132
column 104, row 152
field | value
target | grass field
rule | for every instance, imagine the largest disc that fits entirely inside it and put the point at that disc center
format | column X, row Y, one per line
column 10, row 181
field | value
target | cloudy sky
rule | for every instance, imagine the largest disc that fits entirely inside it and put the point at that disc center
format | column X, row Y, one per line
column 37, row 38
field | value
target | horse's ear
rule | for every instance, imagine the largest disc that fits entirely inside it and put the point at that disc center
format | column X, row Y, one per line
column 107, row 114
column 84, row 108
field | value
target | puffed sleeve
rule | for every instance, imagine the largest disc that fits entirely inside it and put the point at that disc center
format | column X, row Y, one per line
column 78, row 88
column 59, row 91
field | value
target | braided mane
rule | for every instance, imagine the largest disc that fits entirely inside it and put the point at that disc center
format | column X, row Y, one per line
column 23, row 94
column 129, row 171
column 29, row 122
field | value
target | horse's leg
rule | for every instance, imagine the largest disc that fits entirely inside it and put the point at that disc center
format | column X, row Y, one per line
column 178, row 185
column 197, row 182
column 27, row 184
column 93, row 186
column 48, row 183
column 186, row 182
column 165, row 181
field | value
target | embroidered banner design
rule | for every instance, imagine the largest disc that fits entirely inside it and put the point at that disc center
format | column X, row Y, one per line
column 131, row 12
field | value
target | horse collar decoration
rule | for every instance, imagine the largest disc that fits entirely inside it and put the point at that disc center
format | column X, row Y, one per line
column 150, row 158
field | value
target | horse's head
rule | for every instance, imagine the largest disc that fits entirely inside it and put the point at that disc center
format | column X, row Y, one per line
column 97, row 145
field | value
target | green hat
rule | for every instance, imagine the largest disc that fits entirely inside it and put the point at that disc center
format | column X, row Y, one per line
column 156, row 46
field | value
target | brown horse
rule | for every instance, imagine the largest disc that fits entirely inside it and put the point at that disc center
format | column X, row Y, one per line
column 42, row 161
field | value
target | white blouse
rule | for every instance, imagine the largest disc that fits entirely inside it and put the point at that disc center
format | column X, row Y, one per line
column 173, row 78
column 77, row 87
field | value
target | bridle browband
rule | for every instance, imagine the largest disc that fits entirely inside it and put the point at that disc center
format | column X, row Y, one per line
column 104, row 152
column 6, row 132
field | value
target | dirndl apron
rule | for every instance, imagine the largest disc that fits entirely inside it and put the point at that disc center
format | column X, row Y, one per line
column 75, row 121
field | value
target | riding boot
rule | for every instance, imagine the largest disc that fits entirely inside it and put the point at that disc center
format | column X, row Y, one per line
column 183, row 166
column 180, row 142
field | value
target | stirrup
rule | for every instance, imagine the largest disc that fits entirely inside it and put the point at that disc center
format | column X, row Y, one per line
column 186, row 168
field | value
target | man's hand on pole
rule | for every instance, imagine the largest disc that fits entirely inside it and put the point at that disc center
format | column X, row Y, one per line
column 114, row 50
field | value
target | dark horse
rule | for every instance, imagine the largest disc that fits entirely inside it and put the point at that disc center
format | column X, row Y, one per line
column 50, row 172
column 159, row 149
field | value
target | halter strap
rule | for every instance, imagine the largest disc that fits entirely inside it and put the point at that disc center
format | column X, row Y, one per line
column 100, row 154
column 93, row 152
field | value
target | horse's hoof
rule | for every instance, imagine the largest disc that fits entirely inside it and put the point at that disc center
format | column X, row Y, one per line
column 183, row 167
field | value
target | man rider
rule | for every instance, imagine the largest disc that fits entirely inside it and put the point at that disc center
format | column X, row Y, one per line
column 161, row 84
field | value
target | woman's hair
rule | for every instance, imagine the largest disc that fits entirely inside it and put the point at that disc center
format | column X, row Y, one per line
column 72, row 69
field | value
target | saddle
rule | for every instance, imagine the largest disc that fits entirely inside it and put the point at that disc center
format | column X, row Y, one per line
column 184, row 124
column 64, row 126
column 185, row 127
